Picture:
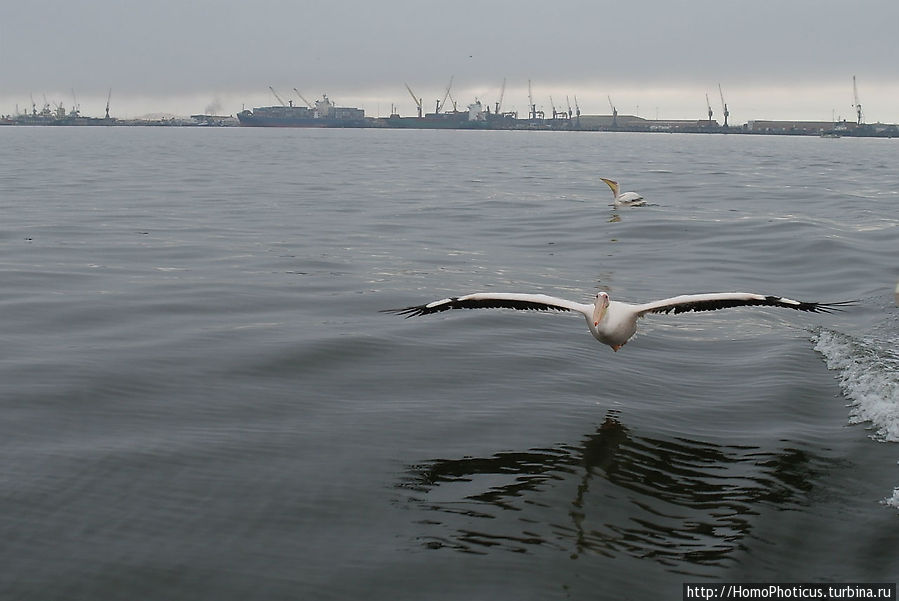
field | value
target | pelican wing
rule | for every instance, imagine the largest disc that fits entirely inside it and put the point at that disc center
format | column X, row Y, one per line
column 724, row 300
column 498, row 300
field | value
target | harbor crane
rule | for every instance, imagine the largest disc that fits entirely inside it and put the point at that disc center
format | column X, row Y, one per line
column 709, row 105
column 276, row 96
column 568, row 102
column 108, row 96
column 556, row 114
column 858, row 105
column 723, row 105
column 417, row 100
column 445, row 96
column 577, row 112
column 502, row 93
column 532, row 114
column 309, row 104
column 614, row 112
column 449, row 92
column 560, row 114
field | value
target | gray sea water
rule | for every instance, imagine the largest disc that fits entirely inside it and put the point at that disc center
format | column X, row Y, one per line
column 201, row 400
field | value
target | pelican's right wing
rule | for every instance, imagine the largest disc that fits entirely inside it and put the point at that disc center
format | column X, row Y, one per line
column 495, row 300
column 723, row 300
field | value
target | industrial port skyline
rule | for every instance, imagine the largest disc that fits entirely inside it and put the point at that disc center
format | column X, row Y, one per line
column 831, row 102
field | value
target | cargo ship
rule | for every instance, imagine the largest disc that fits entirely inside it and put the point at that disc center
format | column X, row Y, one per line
column 323, row 114
column 474, row 118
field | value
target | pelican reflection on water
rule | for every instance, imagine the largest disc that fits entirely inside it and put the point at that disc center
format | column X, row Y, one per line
column 676, row 501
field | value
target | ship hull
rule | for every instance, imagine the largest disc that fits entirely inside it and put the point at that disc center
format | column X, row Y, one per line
column 439, row 121
column 324, row 115
column 250, row 121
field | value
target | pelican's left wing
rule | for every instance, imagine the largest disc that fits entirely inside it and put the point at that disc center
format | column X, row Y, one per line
column 723, row 300
column 495, row 300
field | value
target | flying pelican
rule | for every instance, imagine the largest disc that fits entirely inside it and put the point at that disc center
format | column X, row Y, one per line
column 613, row 322
column 624, row 199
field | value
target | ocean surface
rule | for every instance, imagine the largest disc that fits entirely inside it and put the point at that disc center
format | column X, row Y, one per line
column 201, row 399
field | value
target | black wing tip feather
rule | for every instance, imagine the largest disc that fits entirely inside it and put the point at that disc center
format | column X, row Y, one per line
column 831, row 307
column 408, row 312
column 416, row 310
column 777, row 301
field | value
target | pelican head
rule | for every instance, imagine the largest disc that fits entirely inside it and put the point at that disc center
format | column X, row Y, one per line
column 599, row 307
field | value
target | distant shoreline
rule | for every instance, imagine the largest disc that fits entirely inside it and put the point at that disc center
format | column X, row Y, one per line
column 585, row 123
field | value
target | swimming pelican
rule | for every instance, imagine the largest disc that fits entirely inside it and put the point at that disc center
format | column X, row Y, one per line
column 613, row 322
column 626, row 199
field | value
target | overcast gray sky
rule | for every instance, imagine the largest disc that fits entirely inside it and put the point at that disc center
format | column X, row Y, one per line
column 785, row 59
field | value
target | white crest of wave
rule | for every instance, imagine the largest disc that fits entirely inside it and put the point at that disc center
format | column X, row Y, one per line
column 868, row 371
column 894, row 500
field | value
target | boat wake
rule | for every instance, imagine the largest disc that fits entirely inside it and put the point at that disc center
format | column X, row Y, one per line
column 894, row 500
column 868, row 372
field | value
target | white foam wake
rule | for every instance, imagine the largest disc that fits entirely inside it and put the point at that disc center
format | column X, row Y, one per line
column 868, row 371
column 894, row 500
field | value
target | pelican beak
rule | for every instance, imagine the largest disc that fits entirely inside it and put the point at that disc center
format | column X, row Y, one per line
column 598, row 313
column 600, row 306
column 611, row 184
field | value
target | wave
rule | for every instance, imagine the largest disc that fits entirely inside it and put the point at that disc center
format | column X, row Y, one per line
column 869, row 376
column 894, row 500
column 868, row 371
